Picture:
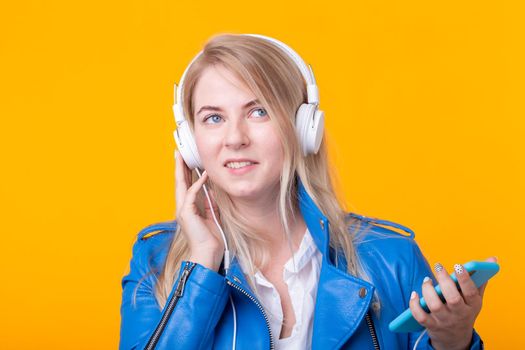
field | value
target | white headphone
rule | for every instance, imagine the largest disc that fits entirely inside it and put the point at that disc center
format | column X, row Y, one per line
column 309, row 122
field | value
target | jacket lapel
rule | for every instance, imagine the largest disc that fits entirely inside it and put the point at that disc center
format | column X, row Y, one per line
column 236, row 276
column 342, row 299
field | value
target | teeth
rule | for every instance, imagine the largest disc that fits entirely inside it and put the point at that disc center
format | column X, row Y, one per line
column 237, row 165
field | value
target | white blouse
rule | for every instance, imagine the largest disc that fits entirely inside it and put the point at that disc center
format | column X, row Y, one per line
column 302, row 285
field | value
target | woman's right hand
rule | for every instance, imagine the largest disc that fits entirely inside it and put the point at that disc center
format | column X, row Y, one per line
column 203, row 236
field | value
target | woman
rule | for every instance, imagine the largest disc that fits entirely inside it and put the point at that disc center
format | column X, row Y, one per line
column 294, row 270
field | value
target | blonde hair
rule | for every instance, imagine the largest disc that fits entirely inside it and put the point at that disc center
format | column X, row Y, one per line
column 278, row 84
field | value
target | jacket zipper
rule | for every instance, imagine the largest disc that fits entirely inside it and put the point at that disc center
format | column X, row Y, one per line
column 260, row 308
column 179, row 290
column 368, row 318
column 372, row 331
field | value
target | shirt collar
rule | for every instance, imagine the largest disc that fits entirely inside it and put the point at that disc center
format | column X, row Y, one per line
column 302, row 256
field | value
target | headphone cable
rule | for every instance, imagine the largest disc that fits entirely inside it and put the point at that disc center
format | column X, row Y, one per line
column 226, row 248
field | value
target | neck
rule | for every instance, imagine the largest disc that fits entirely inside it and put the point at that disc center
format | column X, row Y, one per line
column 263, row 215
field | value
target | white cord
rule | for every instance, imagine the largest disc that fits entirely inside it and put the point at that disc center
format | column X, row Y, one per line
column 226, row 249
column 419, row 339
column 226, row 259
column 234, row 323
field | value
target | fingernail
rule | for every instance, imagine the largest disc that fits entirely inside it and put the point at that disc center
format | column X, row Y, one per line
column 413, row 295
column 459, row 269
column 426, row 279
column 438, row 267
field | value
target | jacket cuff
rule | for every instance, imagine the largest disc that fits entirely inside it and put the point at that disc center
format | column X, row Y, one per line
column 475, row 344
column 205, row 278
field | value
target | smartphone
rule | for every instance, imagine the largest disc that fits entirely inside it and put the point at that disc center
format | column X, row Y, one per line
column 479, row 271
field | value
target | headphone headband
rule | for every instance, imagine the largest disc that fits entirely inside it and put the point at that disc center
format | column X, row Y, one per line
column 306, row 71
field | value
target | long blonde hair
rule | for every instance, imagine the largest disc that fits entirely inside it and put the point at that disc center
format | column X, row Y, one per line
column 278, row 84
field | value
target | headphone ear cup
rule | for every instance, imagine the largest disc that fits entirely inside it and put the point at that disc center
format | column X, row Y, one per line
column 316, row 131
column 301, row 124
column 309, row 127
column 187, row 146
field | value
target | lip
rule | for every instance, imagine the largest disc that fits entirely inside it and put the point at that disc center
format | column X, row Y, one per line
column 243, row 170
column 239, row 160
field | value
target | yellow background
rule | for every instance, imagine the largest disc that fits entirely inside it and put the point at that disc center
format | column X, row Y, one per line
column 424, row 118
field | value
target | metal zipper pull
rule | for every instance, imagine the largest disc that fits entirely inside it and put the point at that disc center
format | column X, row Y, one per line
column 182, row 282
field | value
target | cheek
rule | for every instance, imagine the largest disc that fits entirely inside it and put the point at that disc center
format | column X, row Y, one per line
column 273, row 147
column 206, row 146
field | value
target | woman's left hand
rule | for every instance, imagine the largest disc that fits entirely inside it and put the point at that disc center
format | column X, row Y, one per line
column 449, row 324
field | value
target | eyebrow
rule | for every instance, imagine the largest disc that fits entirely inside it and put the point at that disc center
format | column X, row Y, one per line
column 218, row 109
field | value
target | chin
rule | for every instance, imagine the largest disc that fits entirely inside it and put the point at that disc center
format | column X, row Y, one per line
column 242, row 191
column 253, row 188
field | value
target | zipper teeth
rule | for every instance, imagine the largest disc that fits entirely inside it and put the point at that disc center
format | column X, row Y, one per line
column 260, row 308
column 169, row 309
column 372, row 331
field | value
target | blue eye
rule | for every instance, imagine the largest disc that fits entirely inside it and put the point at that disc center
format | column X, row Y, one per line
column 263, row 114
column 215, row 118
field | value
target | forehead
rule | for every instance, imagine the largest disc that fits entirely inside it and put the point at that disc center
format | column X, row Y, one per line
column 218, row 86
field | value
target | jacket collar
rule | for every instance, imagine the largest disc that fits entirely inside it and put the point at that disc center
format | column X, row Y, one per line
column 342, row 299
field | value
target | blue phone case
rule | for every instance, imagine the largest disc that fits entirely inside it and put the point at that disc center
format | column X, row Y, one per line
column 480, row 272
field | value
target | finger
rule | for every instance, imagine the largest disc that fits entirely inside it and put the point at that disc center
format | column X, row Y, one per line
column 181, row 185
column 213, row 203
column 420, row 315
column 448, row 288
column 180, row 189
column 469, row 290
column 434, row 303
column 191, row 193
column 187, row 172
column 482, row 288
column 212, row 196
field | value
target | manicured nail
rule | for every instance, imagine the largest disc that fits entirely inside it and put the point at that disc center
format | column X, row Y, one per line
column 426, row 279
column 438, row 267
column 413, row 295
column 459, row 269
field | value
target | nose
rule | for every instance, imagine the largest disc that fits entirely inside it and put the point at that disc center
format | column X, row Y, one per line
column 237, row 134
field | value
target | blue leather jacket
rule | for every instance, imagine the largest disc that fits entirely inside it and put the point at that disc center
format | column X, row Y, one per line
column 198, row 314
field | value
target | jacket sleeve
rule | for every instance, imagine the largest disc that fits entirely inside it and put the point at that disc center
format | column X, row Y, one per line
column 422, row 269
column 199, row 302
